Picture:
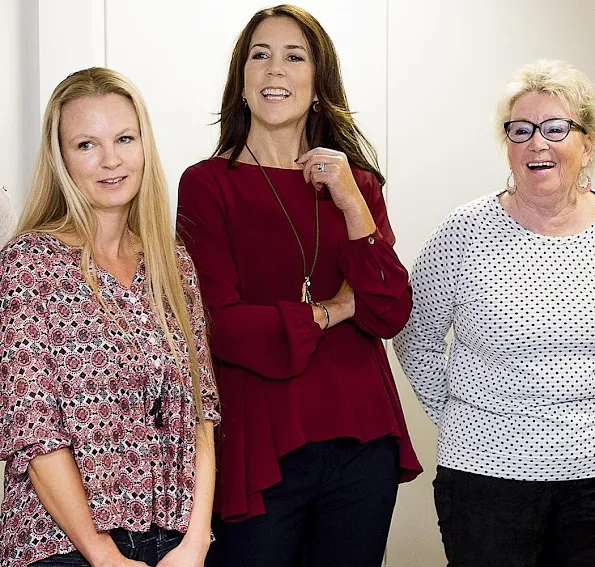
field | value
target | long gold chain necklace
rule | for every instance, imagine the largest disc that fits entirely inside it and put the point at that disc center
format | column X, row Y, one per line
column 306, row 297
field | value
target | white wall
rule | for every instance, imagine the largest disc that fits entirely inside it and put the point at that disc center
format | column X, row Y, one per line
column 182, row 65
column 449, row 63
column 414, row 72
column 19, row 94
column 41, row 41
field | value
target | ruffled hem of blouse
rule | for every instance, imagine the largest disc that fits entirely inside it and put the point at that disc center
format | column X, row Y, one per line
column 252, row 465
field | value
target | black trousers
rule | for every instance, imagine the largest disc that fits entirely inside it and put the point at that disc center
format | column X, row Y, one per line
column 494, row 522
column 333, row 508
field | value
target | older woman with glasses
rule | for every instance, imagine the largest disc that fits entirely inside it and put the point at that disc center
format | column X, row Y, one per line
column 512, row 274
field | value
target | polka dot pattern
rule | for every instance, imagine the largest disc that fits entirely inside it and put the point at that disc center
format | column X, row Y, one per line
column 513, row 392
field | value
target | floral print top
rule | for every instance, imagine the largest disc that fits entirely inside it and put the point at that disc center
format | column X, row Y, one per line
column 73, row 375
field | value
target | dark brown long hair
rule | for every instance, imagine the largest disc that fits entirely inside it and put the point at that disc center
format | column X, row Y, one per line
column 332, row 127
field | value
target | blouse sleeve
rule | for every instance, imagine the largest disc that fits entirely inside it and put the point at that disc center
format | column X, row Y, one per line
column 30, row 419
column 275, row 341
column 422, row 347
column 372, row 268
column 208, row 387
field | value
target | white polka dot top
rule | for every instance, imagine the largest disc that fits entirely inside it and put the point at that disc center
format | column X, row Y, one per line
column 514, row 395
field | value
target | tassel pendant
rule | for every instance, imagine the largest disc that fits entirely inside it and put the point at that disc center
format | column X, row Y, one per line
column 157, row 412
column 306, row 297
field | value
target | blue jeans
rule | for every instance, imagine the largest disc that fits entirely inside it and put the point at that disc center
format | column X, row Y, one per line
column 495, row 522
column 150, row 547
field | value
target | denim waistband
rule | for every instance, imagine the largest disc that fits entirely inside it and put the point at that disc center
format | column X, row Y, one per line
column 135, row 539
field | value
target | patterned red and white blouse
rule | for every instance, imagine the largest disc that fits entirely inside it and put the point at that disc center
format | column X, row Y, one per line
column 73, row 376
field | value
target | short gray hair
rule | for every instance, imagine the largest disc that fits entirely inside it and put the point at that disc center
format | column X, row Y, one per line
column 559, row 79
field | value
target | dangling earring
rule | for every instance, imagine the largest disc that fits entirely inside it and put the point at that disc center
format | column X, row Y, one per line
column 511, row 184
column 316, row 106
column 245, row 102
column 583, row 182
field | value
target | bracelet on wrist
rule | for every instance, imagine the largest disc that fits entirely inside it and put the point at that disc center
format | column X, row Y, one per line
column 326, row 314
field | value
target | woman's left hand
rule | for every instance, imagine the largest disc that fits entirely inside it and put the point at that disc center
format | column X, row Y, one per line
column 331, row 168
column 185, row 556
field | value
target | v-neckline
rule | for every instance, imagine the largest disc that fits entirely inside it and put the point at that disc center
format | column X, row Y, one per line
column 102, row 271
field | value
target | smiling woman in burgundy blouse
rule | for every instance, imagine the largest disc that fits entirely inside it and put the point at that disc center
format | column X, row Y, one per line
column 289, row 232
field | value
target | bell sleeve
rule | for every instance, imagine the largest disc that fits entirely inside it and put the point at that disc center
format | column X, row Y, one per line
column 383, row 296
column 276, row 341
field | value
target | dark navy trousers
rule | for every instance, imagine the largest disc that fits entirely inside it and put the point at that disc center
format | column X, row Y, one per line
column 333, row 508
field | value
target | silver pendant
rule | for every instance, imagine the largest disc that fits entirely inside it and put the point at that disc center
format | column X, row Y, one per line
column 306, row 297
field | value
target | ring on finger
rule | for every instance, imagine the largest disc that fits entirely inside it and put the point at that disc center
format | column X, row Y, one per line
column 320, row 167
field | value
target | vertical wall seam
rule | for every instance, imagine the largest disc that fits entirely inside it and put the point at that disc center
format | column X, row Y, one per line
column 386, row 140
column 386, row 171
column 105, row 33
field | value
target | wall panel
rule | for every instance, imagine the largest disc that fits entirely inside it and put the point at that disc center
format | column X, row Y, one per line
column 178, row 53
column 448, row 63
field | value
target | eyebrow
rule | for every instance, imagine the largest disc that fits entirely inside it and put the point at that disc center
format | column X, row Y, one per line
column 267, row 46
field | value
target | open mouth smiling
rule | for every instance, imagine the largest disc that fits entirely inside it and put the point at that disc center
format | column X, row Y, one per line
column 112, row 180
column 275, row 94
column 541, row 165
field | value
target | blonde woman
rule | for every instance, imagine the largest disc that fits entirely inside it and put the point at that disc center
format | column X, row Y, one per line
column 512, row 274
column 107, row 400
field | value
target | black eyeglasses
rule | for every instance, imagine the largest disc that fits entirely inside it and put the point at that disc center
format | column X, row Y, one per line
column 554, row 129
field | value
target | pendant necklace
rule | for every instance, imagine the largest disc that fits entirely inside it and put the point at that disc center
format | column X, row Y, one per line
column 306, row 297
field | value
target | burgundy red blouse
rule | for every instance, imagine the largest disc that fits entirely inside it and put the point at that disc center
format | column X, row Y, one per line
column 69, row 377
column 282, row 380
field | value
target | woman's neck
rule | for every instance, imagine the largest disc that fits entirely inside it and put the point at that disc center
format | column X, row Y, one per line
column 560, row 215
column 111, row 240
column 275, row 149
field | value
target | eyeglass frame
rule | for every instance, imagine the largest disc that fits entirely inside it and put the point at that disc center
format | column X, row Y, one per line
column 571, row 124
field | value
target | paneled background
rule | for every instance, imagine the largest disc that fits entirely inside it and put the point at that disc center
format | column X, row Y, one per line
column 423, row 78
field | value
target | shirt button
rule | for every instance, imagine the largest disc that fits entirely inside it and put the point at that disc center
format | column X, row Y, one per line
column 157, row 363
column 371, row 240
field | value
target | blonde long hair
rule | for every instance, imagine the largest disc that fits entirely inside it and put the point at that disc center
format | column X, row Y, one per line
column 55, row 205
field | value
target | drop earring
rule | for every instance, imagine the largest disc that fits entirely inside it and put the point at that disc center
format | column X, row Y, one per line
column 511, row 184
column 245, row 102
column 316, row 106
column 583, row 182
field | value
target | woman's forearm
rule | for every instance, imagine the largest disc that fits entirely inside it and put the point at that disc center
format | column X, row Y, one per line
column 199, row 528
column 58, row 484
column 359, row 220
